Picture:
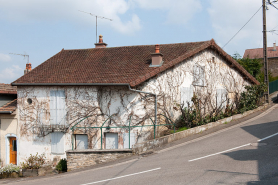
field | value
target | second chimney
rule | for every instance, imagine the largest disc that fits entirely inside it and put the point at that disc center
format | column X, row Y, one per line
column 28, row 68
column 100, row 43
column 156, row 57
column 274, row 46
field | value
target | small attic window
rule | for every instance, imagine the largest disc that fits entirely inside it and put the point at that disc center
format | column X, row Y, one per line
column 213, row 59
column 29, row 101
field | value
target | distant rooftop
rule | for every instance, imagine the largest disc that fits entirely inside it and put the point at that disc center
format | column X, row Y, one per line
column 272, row 52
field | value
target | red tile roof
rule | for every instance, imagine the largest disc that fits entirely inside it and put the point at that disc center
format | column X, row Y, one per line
column 7, row 89
column 9, row 107
column 258, row 53
column 116, row 65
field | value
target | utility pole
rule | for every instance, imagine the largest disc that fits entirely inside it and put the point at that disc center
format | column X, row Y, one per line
column 266, row 81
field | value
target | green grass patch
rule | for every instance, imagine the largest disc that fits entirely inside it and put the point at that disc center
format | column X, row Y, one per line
column 180, row 129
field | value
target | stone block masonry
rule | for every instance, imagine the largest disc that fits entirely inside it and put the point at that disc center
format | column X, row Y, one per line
column 82, row 158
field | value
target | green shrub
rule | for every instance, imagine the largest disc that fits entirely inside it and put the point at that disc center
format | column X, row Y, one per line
column 251, row 98
column 33, row 161
column 62, row 165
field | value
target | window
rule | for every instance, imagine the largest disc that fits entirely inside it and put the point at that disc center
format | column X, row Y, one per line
column 57, row 143
column 81, row 141
column 186, row 95
column 221, row 98
column 57, row 107
column 198, row 75
column 111, row 140
column 126, row 139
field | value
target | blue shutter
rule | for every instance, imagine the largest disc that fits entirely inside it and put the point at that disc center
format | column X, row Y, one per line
column 126, row 140
column 57, row 143
column 186, row 95
column 61, row 107
column 53, row 107
column 221, row 95
column 81, row 141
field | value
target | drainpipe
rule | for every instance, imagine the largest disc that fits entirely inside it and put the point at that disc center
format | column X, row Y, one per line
column 155, row 106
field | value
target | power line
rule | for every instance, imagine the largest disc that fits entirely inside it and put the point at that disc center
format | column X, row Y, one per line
column 242, row 27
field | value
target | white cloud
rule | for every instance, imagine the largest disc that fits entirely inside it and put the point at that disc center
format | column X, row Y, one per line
column 4, row 58
column 53, row 10
column 10, row 74
column 178, row 11
column 228, row 17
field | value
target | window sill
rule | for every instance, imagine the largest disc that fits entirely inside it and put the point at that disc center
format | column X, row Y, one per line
column 58, row 153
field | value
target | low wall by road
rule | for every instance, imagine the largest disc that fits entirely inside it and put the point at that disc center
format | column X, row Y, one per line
column 82, row 158
column 139, row 148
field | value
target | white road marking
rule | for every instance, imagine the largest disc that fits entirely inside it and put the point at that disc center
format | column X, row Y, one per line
column 267, row 137
column 122, row 176
column 220, row 152
column 232, row 148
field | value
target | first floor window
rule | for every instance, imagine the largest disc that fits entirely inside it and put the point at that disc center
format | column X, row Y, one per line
column 198, row 75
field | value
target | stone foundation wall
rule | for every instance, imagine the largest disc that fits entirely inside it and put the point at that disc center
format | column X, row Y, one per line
column 82, row 158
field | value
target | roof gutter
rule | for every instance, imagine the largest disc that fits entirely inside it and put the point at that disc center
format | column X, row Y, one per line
column 6, row 112
column 69, row 84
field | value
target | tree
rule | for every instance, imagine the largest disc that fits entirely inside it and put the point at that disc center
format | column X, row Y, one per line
column 253, row 66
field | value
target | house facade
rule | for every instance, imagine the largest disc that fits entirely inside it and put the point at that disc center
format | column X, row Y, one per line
column 64, row 101
column 8, row 124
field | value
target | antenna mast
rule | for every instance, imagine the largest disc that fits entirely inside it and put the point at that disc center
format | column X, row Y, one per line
column 96, row 19
column 22, row 55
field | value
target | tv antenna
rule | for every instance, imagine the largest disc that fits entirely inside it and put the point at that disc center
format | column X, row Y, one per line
column 24, row 55
column 96, row 19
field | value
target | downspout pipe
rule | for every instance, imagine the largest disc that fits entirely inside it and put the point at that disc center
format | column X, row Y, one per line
column 155, row 102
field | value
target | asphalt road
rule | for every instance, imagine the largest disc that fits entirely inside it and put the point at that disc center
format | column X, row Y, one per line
column 245, row 153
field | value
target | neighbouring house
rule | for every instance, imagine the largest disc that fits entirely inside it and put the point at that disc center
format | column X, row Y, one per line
column 117, row 86
column 8, row 124
column 272, row 55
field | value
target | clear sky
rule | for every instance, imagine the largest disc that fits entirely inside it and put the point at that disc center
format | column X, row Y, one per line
column 41, row 28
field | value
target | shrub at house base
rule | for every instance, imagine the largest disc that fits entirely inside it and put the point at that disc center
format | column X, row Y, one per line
column 194, row 114
column 32, row 165
column 62, row 166
column 9, row 171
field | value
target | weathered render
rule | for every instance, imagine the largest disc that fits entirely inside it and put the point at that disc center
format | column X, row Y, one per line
column 205, row 72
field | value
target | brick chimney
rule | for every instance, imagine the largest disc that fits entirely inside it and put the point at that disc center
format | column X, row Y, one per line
column 28, row 68
column 274, row 46
column 156, row 57
column 100, row 43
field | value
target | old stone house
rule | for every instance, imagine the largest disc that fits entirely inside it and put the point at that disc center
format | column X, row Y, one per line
column 114, row 87
column 272, row 55
column 8, row 124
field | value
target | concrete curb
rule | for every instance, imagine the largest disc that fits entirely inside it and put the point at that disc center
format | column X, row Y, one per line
column 156, row 143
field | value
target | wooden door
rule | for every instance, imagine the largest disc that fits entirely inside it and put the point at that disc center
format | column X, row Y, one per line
column 13, row 150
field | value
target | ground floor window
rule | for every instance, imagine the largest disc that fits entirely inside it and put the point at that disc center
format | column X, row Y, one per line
column 111, row 140
column 81, row 141
column 57, row 143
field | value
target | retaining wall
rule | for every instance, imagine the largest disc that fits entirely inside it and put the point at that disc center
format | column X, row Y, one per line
column 82, row 158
